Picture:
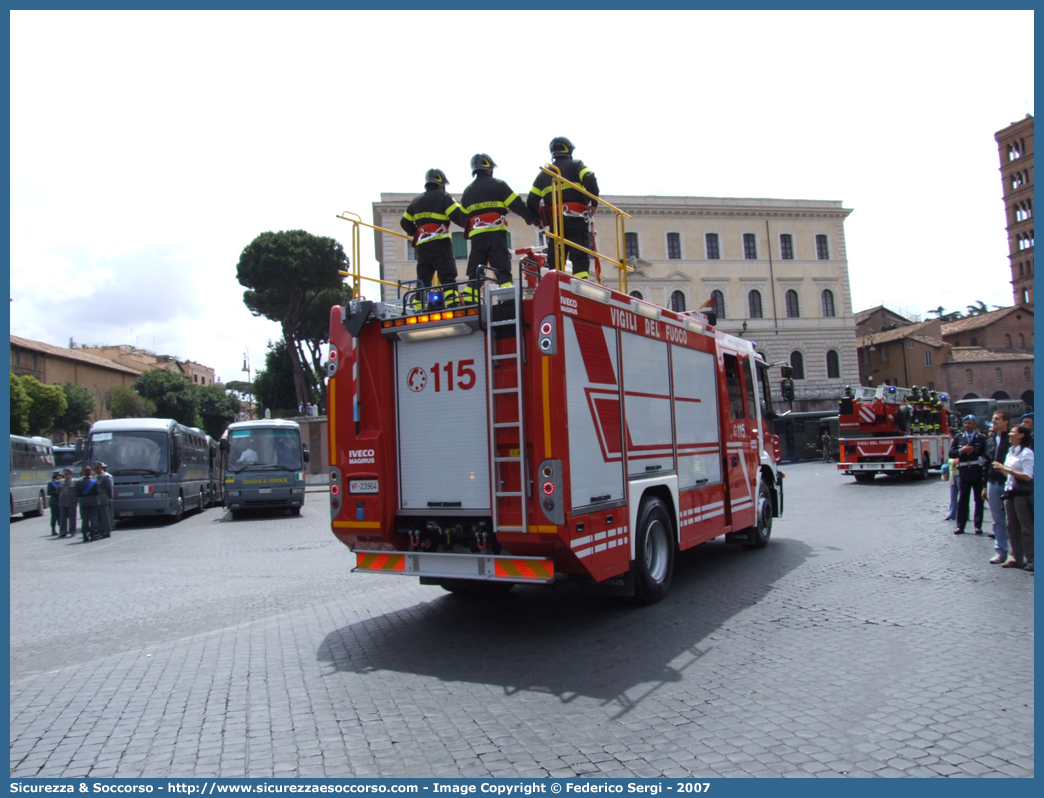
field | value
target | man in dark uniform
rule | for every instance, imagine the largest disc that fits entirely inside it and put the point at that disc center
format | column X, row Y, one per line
column 427, row 219
column 486, row 202
column 87, row 493
column 577, row 208
column 67, row 501
column 969, row 447
column 54, row 490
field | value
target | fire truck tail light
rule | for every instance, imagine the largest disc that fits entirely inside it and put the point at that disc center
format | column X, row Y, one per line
column 550, row 472
column 547, row 340
column 545, row 328
column 335, row 489
column 332, row 363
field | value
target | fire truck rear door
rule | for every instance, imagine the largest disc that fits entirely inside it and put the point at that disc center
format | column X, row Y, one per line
column 442, row 417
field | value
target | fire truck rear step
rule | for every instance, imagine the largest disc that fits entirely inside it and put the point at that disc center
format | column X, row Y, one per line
column 484, row 567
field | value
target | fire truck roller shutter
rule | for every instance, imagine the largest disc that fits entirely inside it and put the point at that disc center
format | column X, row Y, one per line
column 593, row 413
column 694, row 375
column 647, row 405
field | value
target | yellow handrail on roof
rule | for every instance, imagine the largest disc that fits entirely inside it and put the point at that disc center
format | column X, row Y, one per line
column 356, row 275
column 560, row 184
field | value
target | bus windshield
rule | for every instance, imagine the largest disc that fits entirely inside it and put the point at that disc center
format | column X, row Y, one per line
column 129, row 452
column 264, row 449
column 975, row 407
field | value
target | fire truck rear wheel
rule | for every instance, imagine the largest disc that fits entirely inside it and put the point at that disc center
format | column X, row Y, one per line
column 653, row 552
column 922, row 472
column 762, row 528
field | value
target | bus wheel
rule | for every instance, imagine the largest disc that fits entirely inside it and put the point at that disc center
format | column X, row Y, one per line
column 202, row 500
column 41, row 502
column 295, row 511
column 180, row 509
column 762, row 528
column 653, row 552
column 865, row 476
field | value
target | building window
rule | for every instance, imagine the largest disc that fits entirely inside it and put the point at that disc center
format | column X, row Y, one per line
column 786, row 246
column 928, row 358
column 460, row 246
column 411, row 252
column 969, row 378
column 974, row 341
column 822, row 248
column 828, row 303
column 678, row 301
column 1021, row 341
column 866, row 357
column 931, row 385
column 1007, row 341
column 754, row 303
column 909, row 344
column 631, row 244
column 1022, row 271
column 718, row 300
column 750, row 246
column 1025, row 296
column 833, row 365
column 883, row 349
column 637, row 295
column 674, row 246
column 195, row 378
column 713, row 253
column 797, row 362
column 1026, row 374
column 793, row 309
column 998, row 376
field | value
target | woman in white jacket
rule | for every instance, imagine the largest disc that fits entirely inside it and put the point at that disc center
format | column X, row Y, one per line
column 1018, row 466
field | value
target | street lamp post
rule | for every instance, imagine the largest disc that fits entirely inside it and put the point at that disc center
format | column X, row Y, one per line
column 250, row 383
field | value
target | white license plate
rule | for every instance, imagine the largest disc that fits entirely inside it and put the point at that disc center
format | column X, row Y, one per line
column 125, row 494
column 126, row 515
column 264, row 490
column 362, row 486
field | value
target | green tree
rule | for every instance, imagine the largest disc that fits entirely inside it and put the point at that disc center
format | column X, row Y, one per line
column 47, row 403
column 125, row 403
column 20, row 404
column 217, row 408
column 293, row 278
column 241, row 387
column 79, row 405
column 274, row 384
column 172, row 395
column 944, row 316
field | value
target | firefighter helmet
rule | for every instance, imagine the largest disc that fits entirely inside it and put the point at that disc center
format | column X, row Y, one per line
column 436, row 176
column 481, row 162
column 561, row 146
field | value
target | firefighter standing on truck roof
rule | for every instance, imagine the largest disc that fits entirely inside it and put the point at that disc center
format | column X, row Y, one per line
column 427, row 219
column 577, row 208
column 486, row 202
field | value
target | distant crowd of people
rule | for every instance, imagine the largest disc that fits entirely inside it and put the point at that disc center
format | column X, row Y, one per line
column 995, row 469
column 91, row 494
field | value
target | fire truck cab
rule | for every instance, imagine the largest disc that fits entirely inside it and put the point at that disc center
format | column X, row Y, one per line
column 556, row 430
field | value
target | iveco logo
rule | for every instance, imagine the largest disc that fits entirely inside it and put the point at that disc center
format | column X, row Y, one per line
column 360, row 452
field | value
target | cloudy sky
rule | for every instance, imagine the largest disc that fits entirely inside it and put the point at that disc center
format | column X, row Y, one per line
column 149, row 148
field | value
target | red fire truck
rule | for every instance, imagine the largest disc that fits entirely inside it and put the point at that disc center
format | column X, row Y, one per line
column 555, row 430
column 892, row 430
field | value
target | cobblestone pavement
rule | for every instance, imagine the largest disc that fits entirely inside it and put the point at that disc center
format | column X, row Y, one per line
column 865, row 640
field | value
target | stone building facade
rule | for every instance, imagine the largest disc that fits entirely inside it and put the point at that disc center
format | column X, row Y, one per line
column 55, row 365
column 776, row 269
column 1015, row 148
column 144, row 360
column 912, row 354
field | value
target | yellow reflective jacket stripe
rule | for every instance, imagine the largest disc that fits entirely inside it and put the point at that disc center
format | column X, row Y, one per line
column 442, row 217
column 583, row 172
column 540, row 192
column 481, row 206
column 474, row 233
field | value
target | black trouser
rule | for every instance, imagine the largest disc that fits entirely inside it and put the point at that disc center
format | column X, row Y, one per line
column 67, row 519
column 490, row 248
column 436, row 257
column 55, row 517
column 578, row 231
column 971, row 485
column 88, row 520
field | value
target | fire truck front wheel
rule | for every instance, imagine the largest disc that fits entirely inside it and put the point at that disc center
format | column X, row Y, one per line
column 653, row 552
column 762, row 528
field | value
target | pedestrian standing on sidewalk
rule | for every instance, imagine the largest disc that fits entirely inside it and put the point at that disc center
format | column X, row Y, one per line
column 996, row 452
column 1018, row 468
